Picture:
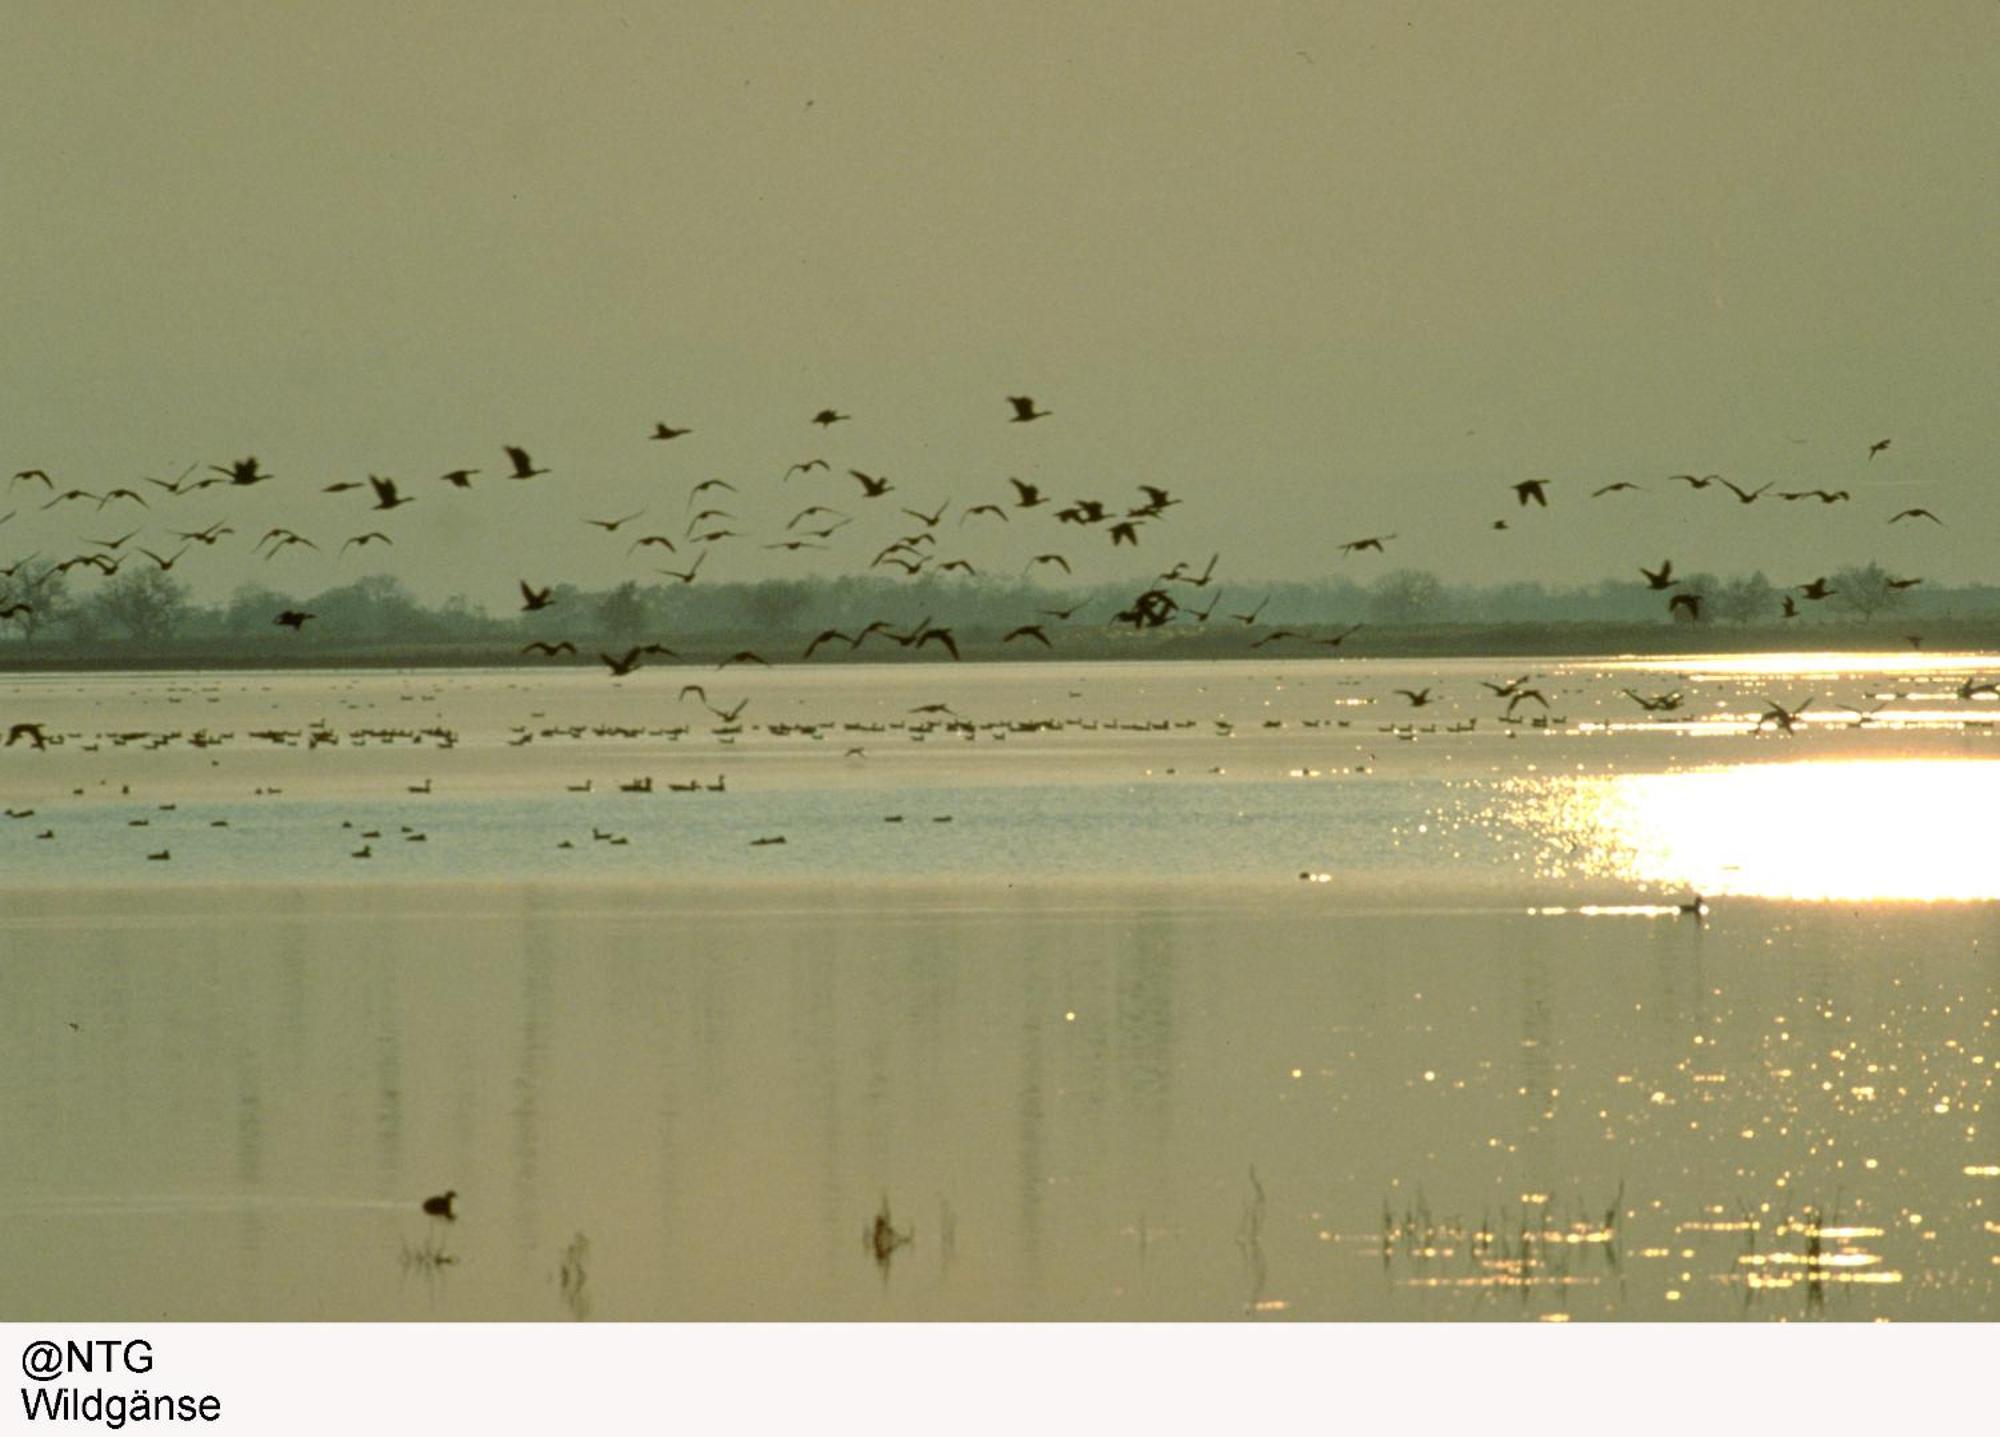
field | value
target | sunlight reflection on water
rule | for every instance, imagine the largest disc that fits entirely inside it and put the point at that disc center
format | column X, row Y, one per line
column 1902, row 829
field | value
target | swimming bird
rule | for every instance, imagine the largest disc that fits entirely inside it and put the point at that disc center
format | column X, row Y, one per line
column 440, row 1206
column 1024, row 409
column 1535, row 489
column 524, row 467
column 828, row 416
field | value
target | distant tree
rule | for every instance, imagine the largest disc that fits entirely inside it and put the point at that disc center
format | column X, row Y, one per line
column 46, row 594
column 1865, row 590
column 1405, row 596
column 1744, row 601
column 253, row 608
column 148, row 604
column 774, row 606
column 621, row 613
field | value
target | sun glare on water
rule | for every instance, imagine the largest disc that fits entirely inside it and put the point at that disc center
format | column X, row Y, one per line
column 1906, row 829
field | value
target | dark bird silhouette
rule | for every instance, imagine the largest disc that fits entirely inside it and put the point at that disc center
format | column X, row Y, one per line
column 871, row 487
column 1687, row 603
column 32, row 732
column 929, row 521
column 1083, row 511
column 959, row 566
column 1777, row 713
column 1661, row 578
column 929, row 635
column 362, row 541
column 661, row 431
column 828, row 416
column 806, row 467
column 1917, row 514
column 1182, row 574
column 1790, row 608
column 794, row 545
column 1524, row 695
column 1274, row 636
column 827, row 636
column 542, row 646
column 994, row 509
column 1362, row 546
column 1877, row 447
column 1658, row 703
column 533, row 599
column 293, row 619
column 243, row 471
column 342, row 486
column 1055, row 559
column 114, row 544
column 67, row 495
column 284, row 539
column 1060, row 615
column 386, row 496
column 1028, row 631
column 705, row 486
column 1124, row 532
column 1535, row 489
column 205, row 536
column 31, row 475
column 459, row 478
column 1508, row 689
column 1251, row 617
column 611, row 526
column 621, row 667
column 743, row 656
column 1157, row 501
column 1024, row 409
column 1744, row 496
column 1901, row 584
column 1825, row 496
column 165, row 564
column 656, row 540
column 524, row 467
column 1334, row 641
column 122, row 493
column 9, row 610
column 1418, row 697
column 440, row 1206
column 1694, row 482
column 1027, row 496
column 1816, row 590
column 686, row 577
column 812, row 509
column 1619, row 487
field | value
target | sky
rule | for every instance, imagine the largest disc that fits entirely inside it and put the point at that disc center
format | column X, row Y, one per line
column 1322, row 271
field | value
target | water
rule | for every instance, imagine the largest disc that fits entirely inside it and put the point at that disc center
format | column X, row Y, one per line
column 1097, row 1043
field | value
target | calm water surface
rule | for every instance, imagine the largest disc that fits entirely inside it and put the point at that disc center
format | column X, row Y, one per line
column 1096, row 1044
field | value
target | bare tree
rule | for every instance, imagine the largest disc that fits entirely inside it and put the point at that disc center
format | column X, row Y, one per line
column 148, row 604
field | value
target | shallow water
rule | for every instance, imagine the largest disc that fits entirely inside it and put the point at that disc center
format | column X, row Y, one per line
column 1101, row 1050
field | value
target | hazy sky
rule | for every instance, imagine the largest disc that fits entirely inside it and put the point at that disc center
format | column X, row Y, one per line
column 1326, row 270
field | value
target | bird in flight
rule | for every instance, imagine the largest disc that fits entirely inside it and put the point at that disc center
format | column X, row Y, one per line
column 243, row 471
column 994, row 509
column 1777, row 713
column 828, row 416
column 1024, row 409
column 1534, row 489
column 1687, row 603
column 386, row 496
column 542, row 646
column 293, row 619
column 1250, row 618
column 708, row 484
column 1825, row 496
column 692, row 569
column 1744, row 496
column 1124, row 532
column 1027, row 495
column 1508, row 689
column 744, row 656
column 1877, row 447
column 361, row 541
column 1619, row 487
column 1918, row 514
column 533, row 600
column 32, row 732
column 611, row 526
column 1661, row 578
column 827, row 636
column 1028, row 631
column 806, row 467
column 1362, row 546
column 621, row 667
column 929, row 521
column 1417, row 697
column 871, row 487
column 459, row 478
column 524, row 467
column 1816, row 590
column 661, row 431
column 1658, row 703
column 1694, row 482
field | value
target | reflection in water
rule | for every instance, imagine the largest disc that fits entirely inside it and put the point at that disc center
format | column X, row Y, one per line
column 1898, row 829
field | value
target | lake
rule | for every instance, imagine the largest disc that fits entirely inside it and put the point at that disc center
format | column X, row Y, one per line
column 1183, row 991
